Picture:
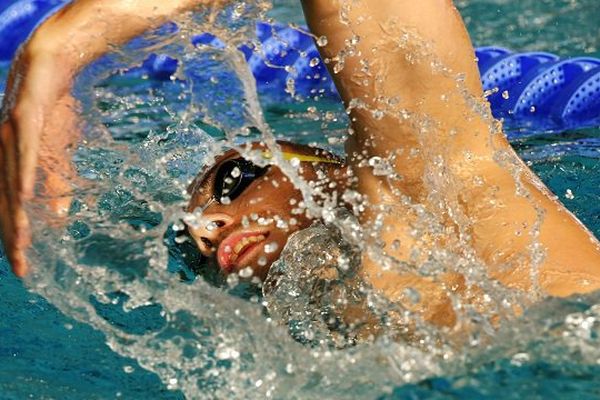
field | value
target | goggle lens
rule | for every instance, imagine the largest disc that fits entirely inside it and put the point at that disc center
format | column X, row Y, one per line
column 234, row 176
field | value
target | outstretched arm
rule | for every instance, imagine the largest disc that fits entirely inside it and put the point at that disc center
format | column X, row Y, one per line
column 37, row 120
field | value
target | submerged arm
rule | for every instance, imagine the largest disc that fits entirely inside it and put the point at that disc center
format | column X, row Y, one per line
column 37, row 122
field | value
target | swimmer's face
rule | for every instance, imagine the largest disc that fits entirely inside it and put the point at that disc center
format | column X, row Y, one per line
column 245, row 213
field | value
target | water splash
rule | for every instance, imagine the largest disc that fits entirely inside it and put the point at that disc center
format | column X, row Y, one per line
column 109, row 268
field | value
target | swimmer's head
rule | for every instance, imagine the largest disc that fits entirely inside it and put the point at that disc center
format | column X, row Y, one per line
column 244, row 213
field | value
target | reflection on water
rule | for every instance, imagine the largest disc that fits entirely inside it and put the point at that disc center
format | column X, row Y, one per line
column 119, row 266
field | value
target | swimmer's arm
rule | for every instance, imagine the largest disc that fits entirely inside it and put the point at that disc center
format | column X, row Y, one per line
column 418, row 53
column 395, row 70
column 38, row 118
column 86, row 29
column 400, row 58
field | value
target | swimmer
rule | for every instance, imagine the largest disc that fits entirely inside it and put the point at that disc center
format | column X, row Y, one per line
column 394, row 63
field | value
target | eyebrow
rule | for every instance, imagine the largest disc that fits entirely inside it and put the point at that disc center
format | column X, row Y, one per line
column 201, row 185
column 203, row 180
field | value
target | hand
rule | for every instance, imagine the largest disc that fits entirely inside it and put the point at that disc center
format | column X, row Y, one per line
column 36, row 130
column 37, row 122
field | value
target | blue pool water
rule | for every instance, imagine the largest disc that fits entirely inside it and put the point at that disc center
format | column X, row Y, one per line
column 45, row 354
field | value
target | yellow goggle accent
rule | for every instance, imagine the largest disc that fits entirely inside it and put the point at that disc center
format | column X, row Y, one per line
column 301, row 157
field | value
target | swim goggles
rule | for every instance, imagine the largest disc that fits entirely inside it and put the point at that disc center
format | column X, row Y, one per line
column 234, row 176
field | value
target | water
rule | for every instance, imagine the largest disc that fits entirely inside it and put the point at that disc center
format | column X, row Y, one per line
column 201, row 341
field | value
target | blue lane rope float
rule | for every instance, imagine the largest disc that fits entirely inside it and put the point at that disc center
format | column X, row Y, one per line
column 533, row 91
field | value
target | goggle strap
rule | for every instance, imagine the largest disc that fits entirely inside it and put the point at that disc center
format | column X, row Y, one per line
column 301, row 157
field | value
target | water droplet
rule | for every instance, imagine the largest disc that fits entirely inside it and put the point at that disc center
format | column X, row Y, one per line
column 245, row 221
column 344, row 262
column 322, row 41
column 232, row 280
column 505, row 95
column 178, row 226
column 314, row 62
column 519, row 359
column 227, row 353
column 172, row 384
column 378, row 114
column 246, row 272
column 129, row 369
column 338, row 67
column 211, row 226
column 569, row 194
column 412, row 294
column 271, row 247
column 225, row 200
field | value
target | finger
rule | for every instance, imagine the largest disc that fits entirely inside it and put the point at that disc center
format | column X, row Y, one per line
column 60, row 133
column 4, row 211
column 18, row 261
column 57, row 187
column 9, row 165
column 5, row 179
column 28, row 135
column 11, row 223
column 21, row 243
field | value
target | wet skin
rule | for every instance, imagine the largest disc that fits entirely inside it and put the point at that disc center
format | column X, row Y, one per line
column 251, row 229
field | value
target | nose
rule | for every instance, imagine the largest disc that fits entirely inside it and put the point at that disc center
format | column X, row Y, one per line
column 207, row 230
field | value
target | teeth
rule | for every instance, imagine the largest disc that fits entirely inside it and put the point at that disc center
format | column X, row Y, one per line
column 243, row 243
column 238, row 247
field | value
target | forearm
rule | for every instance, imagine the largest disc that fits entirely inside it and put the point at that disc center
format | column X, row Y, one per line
column 86, row 29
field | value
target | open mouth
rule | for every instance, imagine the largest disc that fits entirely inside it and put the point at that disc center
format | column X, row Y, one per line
column 238, row 248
